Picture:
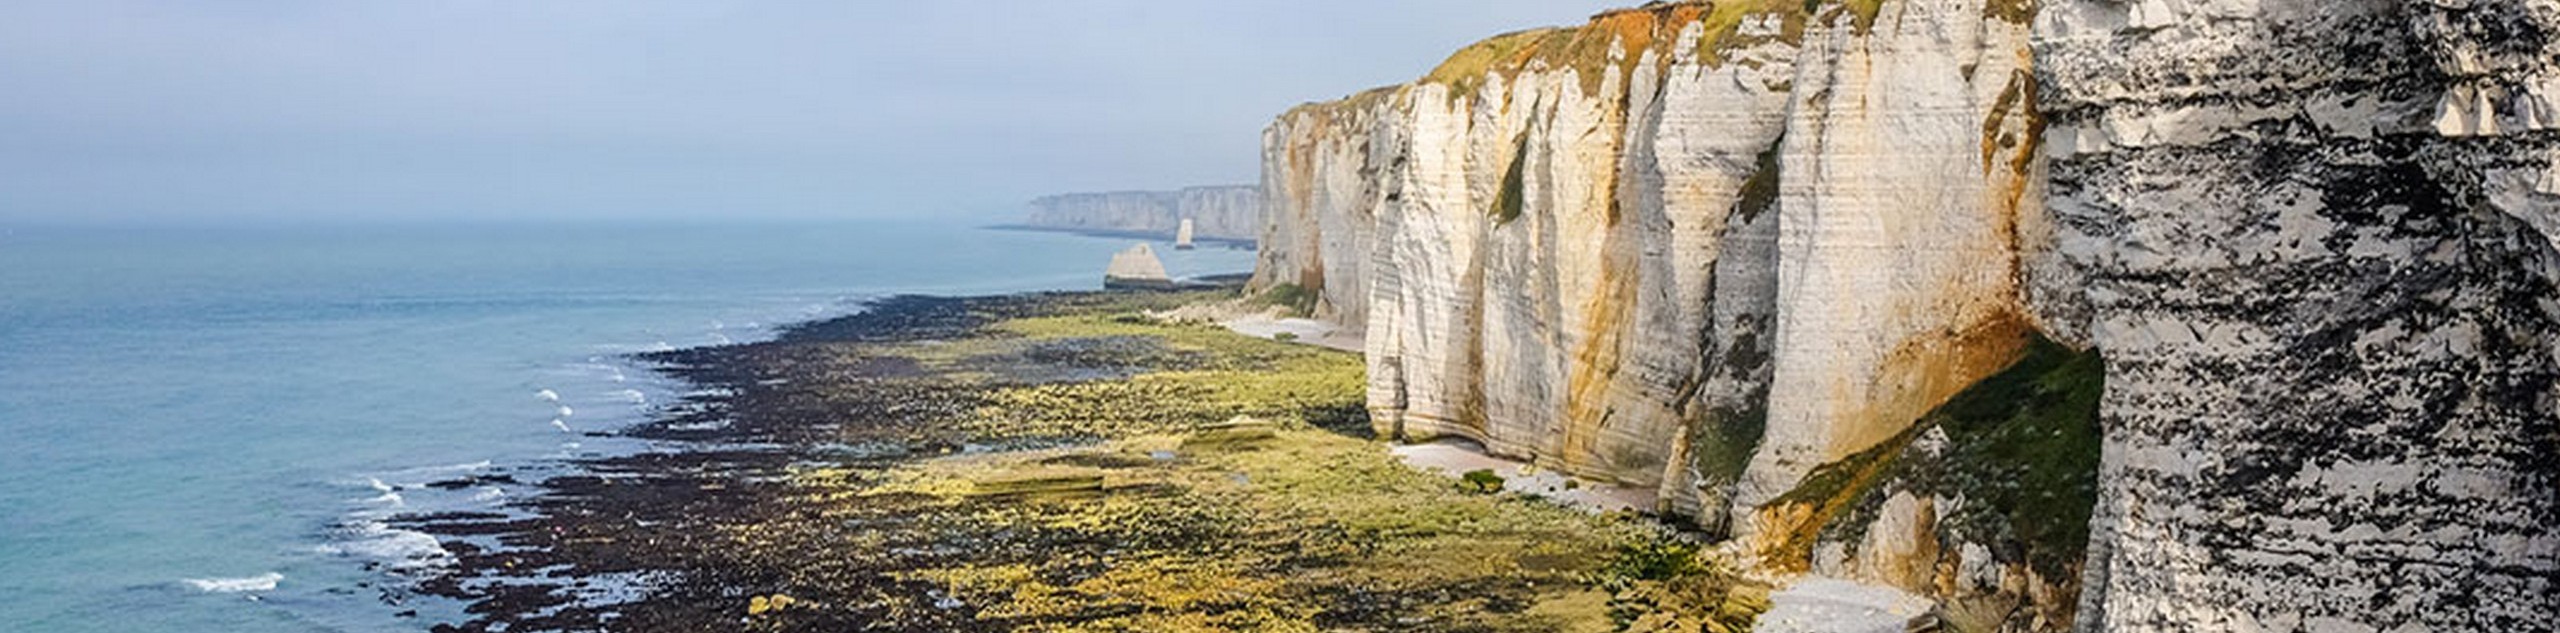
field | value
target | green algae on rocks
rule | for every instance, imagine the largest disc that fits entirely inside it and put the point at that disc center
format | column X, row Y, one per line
column 1060, row 462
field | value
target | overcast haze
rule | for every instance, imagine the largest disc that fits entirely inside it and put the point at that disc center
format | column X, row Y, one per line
column 332, row 110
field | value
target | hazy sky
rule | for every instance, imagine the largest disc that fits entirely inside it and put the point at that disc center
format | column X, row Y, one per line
column 219, row 111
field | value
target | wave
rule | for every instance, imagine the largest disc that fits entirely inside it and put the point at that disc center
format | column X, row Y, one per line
column 396, row 548
column 423, row 473
column 261, row 582
column 548, row 395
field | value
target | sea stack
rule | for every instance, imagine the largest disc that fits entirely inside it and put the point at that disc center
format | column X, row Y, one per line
column 1182, row 236
column 1136, row 268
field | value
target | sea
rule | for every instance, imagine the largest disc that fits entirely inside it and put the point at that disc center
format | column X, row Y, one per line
column 204, row 429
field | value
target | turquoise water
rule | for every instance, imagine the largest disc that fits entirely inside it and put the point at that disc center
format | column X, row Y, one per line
column 198, row 427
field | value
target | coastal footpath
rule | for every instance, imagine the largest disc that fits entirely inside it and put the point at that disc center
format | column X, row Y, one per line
column 1230, row 213
column 2142, row 315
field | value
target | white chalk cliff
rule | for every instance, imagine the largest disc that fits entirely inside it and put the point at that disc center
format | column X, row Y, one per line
column 1844, row 280
column 1226, row 213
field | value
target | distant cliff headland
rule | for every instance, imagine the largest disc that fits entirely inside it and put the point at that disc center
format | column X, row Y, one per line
column 1230, row 213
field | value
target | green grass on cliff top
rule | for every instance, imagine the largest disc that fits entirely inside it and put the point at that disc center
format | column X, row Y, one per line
column 1585, row 49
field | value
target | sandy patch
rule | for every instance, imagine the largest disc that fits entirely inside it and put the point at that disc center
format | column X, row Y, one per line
column 1308, row 331
column 1828, row 605
column 1454, row 458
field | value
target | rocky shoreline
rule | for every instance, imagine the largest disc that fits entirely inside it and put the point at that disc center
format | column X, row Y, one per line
column 1059, row 461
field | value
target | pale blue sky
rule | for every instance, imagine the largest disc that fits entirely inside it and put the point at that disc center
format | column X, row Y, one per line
column 340, row 110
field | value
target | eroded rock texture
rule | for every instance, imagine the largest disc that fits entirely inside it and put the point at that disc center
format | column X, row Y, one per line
column 2312, row 240
column 1788, row 260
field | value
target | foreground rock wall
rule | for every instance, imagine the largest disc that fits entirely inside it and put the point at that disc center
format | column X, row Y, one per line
column 2313, row 242
column 1231, row 212
column 1748, row 252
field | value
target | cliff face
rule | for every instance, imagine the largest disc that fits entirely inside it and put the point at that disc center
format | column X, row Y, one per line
column 2315, row 241
column 1230, row 213
column 1824, row 274
column 1322, row 164
column 1551, row 237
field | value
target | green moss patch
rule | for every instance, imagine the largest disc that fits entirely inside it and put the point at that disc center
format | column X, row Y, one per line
column 2021, row 451
column 1722, row 34
column 1675, row 586
column 2010, row 11
column 1828, row 492
column 1508, row 202
column 1464, row 72
column 1760, row 192
column 1298, row 300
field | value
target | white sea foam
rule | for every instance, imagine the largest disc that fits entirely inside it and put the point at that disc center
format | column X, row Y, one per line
column 722, row 339
column 400, row 549
column 565, row 411
column 633, row 395
column 548, row 395
column 563, row 425
column 492, row 493
column 261, row 582
column 424, row 473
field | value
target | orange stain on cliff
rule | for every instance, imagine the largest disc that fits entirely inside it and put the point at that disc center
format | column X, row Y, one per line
column 1596, row 362
column 1608, row 315
column 1923, row 373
